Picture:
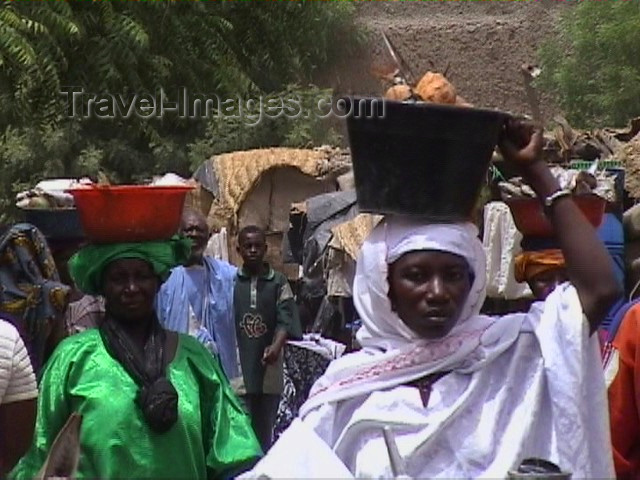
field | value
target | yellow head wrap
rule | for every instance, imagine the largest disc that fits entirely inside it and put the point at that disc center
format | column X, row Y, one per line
column 530, row 264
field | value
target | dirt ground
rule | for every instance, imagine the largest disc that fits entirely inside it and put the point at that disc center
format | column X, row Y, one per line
column 483, row 44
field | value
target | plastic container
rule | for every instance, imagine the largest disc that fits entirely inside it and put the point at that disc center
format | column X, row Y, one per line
column 420, row 159
column 55, row 224
column 538, row 469
column 130, row 213
column 602, row 164
column 513, row 475
column 530, row 220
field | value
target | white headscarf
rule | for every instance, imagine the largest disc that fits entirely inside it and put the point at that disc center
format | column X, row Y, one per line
column 392, row 353
column 392, row 238
column 490, row 414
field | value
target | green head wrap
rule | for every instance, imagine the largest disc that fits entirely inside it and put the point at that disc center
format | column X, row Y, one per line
column 88, row 264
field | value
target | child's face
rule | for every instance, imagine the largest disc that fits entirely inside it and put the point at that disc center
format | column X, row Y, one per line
column 544, row 283
column 252, row 248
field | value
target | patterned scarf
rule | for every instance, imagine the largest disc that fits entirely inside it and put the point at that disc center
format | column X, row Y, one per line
column 31, row 294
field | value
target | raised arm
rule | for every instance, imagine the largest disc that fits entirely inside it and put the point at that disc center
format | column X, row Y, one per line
column 589, row 266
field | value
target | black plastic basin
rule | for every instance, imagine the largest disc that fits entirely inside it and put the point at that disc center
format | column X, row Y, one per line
column 421, row 159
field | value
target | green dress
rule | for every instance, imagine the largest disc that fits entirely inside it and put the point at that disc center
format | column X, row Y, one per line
column 211, row 439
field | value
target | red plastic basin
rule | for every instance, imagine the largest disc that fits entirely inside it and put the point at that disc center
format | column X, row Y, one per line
column 130, row 213
column 530, row 220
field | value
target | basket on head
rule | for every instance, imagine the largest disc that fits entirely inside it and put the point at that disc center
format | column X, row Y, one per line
column 421, row 159
column 55, row 223
column 130, row 213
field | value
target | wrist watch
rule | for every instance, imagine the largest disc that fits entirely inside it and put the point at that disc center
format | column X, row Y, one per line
column 554, row 197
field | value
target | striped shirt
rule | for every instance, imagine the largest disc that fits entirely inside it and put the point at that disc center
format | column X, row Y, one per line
column 17, row 381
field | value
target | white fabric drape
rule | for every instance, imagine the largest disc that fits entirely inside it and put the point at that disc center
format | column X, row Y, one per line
column 522, row 385
column 501, row 241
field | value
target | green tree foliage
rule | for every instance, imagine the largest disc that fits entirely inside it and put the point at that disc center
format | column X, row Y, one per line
column 227, row 134
column 31, row 59
column 285, row 42
column 232, row 49
column 593, row 66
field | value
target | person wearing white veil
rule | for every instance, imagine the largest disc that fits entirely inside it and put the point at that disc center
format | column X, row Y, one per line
column 465, row 395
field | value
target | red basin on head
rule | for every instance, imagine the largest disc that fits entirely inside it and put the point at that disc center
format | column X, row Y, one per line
column 530, row 220
column 130, row 213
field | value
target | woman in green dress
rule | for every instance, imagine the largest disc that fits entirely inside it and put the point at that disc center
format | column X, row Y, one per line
column 155, row 404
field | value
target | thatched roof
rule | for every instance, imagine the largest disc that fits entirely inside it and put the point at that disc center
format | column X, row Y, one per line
column 237, row 173
column 349, row 236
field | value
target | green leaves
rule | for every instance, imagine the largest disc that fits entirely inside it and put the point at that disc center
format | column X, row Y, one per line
column 304, row 127
column 597, row 83
column 229, row 49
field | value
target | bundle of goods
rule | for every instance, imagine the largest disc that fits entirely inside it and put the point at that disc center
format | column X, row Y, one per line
column 424, row 152
column 172, row 180
column 49, row 194
column 590, row 190
column 50, row 207
column 579, row 182
column 432, row 87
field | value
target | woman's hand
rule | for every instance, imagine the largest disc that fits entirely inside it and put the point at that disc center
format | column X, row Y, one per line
column 521, row 143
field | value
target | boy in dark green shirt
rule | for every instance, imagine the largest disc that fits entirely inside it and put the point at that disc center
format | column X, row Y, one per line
column 265, row 315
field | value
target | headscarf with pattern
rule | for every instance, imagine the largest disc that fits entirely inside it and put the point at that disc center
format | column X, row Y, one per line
column 31, row 294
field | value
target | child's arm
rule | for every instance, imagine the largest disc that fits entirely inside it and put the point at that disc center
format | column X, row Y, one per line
column 287, row 318
column 272, row 352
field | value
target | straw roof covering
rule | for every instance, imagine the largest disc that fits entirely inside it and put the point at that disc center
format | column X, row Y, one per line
column 238, row 172
column 349, row 236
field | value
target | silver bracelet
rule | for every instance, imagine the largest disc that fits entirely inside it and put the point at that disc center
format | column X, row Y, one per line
column 555, row 196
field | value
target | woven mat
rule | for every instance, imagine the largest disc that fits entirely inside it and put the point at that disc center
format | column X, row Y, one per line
column 349, row 236
column 239, row 172
column 629, row 156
